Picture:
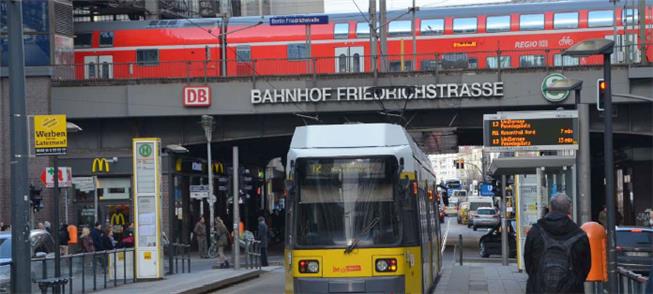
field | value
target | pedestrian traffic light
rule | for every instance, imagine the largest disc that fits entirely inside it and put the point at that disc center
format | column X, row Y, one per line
column 246, row 181
column 35, row 198
column 601, row 87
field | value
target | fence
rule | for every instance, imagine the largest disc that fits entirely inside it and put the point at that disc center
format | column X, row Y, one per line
column 181, row 252
column 630, row 282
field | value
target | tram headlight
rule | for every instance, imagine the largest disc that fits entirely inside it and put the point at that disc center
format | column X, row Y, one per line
column 313, row 267
column 381, row 265
column 386, row 265
column 309, row 266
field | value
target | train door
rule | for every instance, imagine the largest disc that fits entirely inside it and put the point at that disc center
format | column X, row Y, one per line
column 98, row 67
column 349, row 59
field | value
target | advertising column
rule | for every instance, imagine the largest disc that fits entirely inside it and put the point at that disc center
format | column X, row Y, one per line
column 147, row 207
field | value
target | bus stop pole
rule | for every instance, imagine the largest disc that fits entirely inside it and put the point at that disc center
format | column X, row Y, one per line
column 504, row 230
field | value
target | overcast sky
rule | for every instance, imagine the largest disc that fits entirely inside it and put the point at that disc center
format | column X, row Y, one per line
column 331, row 6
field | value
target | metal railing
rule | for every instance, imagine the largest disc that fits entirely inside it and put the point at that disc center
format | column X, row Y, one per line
column 181, row 252
column 344, row 64
column 630, row 282
column 87, row 271
column 253, row 254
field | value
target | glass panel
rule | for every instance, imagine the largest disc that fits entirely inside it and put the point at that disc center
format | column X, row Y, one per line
column 565, row 20
column 147, row 56
column 600, row 18
column 630, row 16
column 492, row 63
column 399, row 28
column 530, row 22
column 106, row 39
column 531, row 61
column 297, row 52
column 243, row 54
column 454, row 60
column 104, row 70
column 432, row 26
column 362, row 30
column 559, row 60
column 342, row 63
column 464, row 25
column 83, row 40
column 341, row 31
column 641, row 239
column 5, row 247
column 91, row 70
column 496, row 24
column 428, row 65
column 356, row 62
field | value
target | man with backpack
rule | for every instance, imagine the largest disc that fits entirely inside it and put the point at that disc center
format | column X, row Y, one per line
column 557, row 252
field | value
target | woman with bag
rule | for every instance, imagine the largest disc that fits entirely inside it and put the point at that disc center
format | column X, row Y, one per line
column 222, row 233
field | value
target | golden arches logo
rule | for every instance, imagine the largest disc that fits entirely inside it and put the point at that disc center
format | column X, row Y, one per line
column 218, row 167
column 100, row 165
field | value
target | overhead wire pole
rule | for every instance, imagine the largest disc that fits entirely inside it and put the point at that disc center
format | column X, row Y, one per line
column 20, row 253
column 384, row 34
column 373, row 38
column 414, row 33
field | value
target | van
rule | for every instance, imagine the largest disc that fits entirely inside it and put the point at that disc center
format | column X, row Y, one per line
column 475, row 203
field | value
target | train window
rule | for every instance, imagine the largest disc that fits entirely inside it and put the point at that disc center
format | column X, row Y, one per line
column 362, row 30
column 600, row 18
column 526, row 61
column 341, row 31
column 429, row 65
column 106, row 39
column 464, row 25
column 399, row 28
column 454, row 60
column 147, row 56
column 531, row 22
column 565, row 20
column 297, row 51
column 432, row 27
column 497, row 24
column 395, row 66
column 559, row 60
column 243, row 54
column 630, row 16
column 83, row 40
column 492, row 62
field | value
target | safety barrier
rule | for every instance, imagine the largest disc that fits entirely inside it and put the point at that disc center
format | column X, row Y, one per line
column 181, row 252
column 253, row 254
column 630, row 282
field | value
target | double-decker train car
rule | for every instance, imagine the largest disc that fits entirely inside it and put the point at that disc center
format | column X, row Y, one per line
column 512, row 35
column 361, row 212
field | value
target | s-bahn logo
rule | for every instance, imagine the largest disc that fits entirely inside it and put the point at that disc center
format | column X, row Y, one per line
column 553, row 96
column 196, row 96
column 100, row 165
column 566, row 41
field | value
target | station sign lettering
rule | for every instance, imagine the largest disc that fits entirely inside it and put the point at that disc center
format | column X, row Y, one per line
column 299, row 20
column 197, row 96
column 364, row 93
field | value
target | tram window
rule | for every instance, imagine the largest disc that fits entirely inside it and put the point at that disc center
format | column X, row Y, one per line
column 106, row 39
column 559, row 60
column 341, row 31
column 527, row 61
column 497, row 24
column 565, row 20
column 399, row 28
column 464, row 25
column 83, row 40
column 600, row 18
column 531, row 22
column 243, row 54
column 492, row 62
column 297, row 51
column 432, row 27
column 147, row 56
column 362, row 30
column 630, row 16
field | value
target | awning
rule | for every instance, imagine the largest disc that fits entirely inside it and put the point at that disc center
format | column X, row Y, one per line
column 528, row 165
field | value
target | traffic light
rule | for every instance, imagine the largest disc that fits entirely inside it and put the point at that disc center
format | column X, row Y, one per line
column 35, row 198
column 459, row 163
column 600, row 94
column 246, row 181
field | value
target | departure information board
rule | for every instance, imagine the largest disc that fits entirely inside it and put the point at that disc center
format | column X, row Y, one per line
column 531, row 130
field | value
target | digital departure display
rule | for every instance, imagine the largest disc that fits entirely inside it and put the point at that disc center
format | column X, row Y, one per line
column 530, row 132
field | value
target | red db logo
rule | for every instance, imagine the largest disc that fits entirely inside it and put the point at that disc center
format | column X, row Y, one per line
column 197, row 96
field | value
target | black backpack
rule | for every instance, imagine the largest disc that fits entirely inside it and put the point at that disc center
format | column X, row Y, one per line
column 554, row 271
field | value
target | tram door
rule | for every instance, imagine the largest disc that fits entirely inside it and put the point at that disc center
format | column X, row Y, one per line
column 349, row 59
column 98, row 67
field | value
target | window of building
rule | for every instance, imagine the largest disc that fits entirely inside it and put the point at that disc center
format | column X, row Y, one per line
column 565, row 20
column 559, row 60
column 464, row 25
column 495, row 24
column 526, row 61
column 83, row 40
column 399, row 28
column 106, row 39
column 341, row 31
column 531, row 22
column 600, row 18
column 362, row 30
column 432, row 27
column 147, row 56
column 630, row 16
column 297, row 51
column 492, row 62
column 243, row 54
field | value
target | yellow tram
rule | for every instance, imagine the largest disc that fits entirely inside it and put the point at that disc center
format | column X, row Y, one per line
column 362, row 215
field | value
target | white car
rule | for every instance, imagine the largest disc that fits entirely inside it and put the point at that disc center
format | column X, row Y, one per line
column 485, row 217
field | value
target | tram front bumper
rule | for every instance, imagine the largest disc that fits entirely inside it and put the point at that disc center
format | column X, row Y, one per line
column 393, row 284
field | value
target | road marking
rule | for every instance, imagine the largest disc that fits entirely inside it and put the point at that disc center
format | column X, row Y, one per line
column 446, row 234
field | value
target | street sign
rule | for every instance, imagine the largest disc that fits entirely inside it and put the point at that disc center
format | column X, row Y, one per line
column 50, row 135
column 199, row 191
column 65, row 177
column 84, row 184
column 299, row 20
column 486, row 189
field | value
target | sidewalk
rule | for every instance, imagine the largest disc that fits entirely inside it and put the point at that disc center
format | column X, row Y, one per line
column 472, row 278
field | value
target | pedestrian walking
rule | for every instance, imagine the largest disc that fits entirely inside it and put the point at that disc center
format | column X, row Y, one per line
column 200, row 236
column 557, row 252
column 107, row 241
column 263, row 237
column 96, row 235
column 87, row 241
column 222, row 235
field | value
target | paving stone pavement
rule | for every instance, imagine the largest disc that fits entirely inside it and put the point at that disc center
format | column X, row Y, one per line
column 481, row 278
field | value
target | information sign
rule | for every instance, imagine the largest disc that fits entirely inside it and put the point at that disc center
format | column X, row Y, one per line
column 531, row 131
column 199, row 191
column 50, row 135
column 299, row 20
column 65, row 176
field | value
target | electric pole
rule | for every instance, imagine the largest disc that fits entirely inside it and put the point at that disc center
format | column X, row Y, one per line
column 414, row 32
column 373, row 39
column 384, row 35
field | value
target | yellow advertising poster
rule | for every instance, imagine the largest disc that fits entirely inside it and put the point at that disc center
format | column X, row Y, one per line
column 50, row 136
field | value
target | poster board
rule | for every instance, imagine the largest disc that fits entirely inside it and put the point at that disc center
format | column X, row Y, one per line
column 527, row 207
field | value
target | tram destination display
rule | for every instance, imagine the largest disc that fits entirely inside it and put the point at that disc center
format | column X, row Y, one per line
column 530, row 132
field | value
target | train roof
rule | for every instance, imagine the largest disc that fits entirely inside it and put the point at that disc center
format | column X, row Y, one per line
column 432, row 12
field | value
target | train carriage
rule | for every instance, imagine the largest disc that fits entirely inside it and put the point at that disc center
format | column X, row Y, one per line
column 361, row 212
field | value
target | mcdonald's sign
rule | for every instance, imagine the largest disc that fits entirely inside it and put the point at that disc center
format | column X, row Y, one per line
column 100, row 165
column 218, row 168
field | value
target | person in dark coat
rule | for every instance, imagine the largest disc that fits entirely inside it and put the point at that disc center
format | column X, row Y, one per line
column 558, row 224
column 263, row 237
column 96, row 234
column 106, row 240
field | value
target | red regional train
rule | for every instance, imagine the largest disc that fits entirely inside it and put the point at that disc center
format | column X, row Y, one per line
column 515, row 35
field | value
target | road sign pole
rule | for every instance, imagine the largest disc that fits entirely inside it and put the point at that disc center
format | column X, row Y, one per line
column 236, row 224
column 55, row 219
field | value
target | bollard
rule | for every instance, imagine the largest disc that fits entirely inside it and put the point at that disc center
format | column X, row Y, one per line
column 460, row 245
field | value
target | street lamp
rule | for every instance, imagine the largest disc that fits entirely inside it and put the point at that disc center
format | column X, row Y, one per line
column 172, row 150
column 604, row 47
column 208, row 124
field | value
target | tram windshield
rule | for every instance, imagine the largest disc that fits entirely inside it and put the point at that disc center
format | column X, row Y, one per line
column 345, row 201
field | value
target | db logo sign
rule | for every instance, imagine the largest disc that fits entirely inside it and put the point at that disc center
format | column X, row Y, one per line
column 197, row 96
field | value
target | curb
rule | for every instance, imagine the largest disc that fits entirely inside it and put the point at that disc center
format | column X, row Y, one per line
column 224, row 283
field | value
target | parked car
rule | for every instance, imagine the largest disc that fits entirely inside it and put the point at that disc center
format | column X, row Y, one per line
column 635, row 248
column 485, row 217
column 42, row 245
column 463, row 209
column 490, row 243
